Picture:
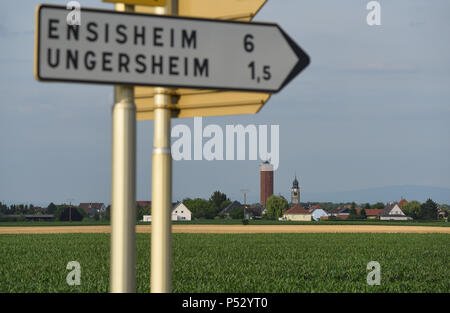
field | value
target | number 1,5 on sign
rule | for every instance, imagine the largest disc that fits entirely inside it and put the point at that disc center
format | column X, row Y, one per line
column 255, row 71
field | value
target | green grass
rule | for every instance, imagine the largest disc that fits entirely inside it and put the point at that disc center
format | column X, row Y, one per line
column 237, row 222
column 236, row 262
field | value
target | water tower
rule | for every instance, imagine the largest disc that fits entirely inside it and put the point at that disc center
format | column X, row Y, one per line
column 266, row 174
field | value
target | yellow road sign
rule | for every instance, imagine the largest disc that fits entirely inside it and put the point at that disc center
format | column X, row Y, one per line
column 200, row 102
column 158, row 3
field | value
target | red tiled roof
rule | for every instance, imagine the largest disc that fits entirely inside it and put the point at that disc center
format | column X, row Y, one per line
column 402, row 202
column 373, row 212
column 296, row 209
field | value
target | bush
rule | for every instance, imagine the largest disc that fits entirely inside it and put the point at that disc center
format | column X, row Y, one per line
column 245, row 221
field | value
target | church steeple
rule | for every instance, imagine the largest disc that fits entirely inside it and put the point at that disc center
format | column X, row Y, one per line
column 295, row 192
column 295, row 182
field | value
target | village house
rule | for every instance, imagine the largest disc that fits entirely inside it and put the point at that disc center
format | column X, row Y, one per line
column 373, row 213
column 442, row 214
column 342, row 213
column 226, row 211
column 179, row 213
column 392, row 212
column 297, row 213
column 252, row 212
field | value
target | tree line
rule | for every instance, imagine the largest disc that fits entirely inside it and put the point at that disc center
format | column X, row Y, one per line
column 211, row 208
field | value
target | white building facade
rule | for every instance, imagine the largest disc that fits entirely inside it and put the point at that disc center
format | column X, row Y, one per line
column 181, row 213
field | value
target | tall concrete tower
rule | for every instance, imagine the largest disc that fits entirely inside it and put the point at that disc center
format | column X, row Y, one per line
column 295, row 192
column 266, row 173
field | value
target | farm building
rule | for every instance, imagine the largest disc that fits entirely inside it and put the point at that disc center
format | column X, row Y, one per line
column 297, row 213
column 392, row 212
column 30, row 217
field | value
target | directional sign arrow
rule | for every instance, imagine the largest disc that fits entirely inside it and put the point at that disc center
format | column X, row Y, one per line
column 152, row 50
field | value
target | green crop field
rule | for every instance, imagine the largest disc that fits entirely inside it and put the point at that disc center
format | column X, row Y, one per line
column 236, row 262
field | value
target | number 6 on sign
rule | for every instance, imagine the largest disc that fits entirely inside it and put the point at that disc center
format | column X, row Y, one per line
column 248, row 44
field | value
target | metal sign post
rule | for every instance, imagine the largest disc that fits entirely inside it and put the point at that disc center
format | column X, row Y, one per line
column 161, row 247
column 123, row 187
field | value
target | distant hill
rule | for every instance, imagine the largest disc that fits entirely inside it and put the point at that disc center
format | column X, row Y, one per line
column 383, row 194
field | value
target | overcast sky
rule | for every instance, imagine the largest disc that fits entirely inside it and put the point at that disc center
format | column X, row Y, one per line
column 371, row 110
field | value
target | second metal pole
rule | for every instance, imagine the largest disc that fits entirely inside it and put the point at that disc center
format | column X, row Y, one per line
column 161, row 246
column 123, row 192
column 161, row 259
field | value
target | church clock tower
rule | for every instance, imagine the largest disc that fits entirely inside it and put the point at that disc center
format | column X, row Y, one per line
column 295, row 192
